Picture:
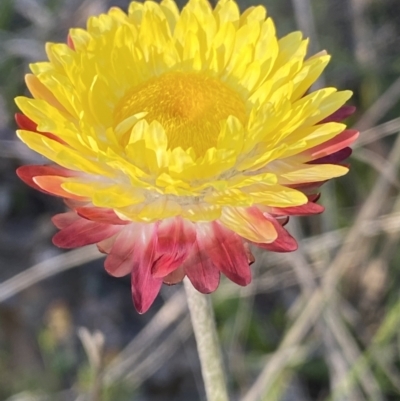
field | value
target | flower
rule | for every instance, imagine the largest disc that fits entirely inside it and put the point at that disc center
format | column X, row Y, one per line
column 179, row 138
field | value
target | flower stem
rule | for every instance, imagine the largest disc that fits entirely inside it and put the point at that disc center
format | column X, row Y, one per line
column 205, row 332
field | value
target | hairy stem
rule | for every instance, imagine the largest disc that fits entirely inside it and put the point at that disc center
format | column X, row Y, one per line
column 203, row 321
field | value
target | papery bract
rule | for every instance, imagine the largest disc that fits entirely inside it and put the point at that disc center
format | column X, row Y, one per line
column 178, row 139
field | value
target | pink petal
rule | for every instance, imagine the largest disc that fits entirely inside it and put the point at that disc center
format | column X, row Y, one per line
column 250, row 257
column 284, row 243
column 249, row 223
column 83, row 232
column 175, row 238
column 334, row 158
column 340, row 115
column 199, row 266
column 303, row 210
column 106, row 245
column 282, row 220
column 175, row 277
column 29, row 172
column 101, row 215
column 308, row 187
column 74, row 204
column 145, row 287
column 133, row 252
column 52, row 184
column 202, row 272
column 314, row 197
column 229, row 254
column 64, row 220
column 27, row 124
column 119, row 262
column 70, row 42
column 335, row 144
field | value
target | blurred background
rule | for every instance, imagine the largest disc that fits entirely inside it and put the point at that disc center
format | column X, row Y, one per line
column 322, row 323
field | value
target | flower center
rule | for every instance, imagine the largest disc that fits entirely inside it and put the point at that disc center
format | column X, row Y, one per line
column 190, row 107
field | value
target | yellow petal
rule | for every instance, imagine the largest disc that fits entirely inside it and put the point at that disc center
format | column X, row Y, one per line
column 276, row 195
column 313, row 173
column 159, row 209
column 201, row 212
column 248, row 225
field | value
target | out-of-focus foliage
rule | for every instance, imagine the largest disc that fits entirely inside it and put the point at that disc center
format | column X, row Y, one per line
column 347, row 349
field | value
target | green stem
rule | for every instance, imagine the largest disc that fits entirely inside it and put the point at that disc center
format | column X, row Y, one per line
column 205, row 332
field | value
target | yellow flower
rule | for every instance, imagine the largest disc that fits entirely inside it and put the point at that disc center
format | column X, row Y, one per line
column 182, row 137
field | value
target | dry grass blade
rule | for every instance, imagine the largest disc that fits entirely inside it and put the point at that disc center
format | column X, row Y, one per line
column 240, row 331
column 29, row 49
column 353, row 355
column 93, row 344
column 377, row 162
column 378, row 132
column 388, row 368
column 16, row 150
column 152, row 361
column 381, row 106
column 46, row 269
column 35, row 12
column 386, row 331
column 267, row 282
column 335, row 359
column 170, row 312
column 375, row 286
column 298, row 259
column 338, row 367
column 305, row 21
column 316, row 303
column 26, row 396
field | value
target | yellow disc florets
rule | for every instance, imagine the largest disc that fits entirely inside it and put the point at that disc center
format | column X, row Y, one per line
column 190, row 107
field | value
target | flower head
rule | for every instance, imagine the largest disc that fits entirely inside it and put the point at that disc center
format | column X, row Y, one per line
column 179, row 138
